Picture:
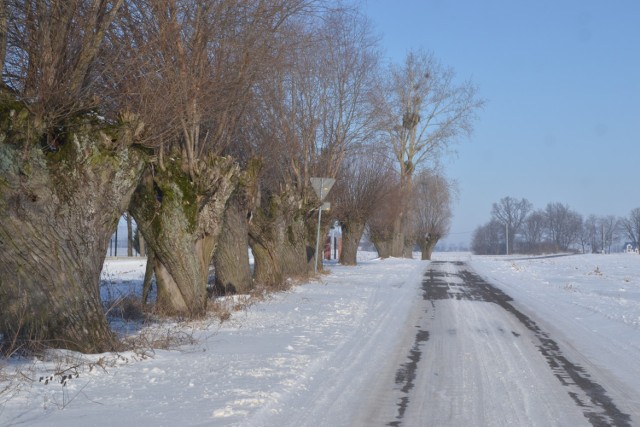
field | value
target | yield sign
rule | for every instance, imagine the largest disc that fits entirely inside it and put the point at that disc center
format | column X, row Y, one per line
column 322, row 186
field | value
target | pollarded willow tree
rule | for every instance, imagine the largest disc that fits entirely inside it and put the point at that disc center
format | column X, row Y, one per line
column 68, row 167
column 422, row 110
column 431, row 205
column 380, row 224
column 203, row 58
column 363, row 184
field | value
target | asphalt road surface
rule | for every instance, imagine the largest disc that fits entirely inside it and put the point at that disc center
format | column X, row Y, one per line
column 471, row 358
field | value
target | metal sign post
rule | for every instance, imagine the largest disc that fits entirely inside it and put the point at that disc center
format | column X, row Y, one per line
column 321, row 186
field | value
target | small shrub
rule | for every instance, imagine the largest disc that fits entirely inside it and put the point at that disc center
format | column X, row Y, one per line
column 596, row 272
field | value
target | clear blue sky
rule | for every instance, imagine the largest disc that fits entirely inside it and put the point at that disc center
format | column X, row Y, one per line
column 562, row 81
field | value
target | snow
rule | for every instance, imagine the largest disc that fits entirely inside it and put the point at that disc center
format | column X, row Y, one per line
column 328, row 353
column 589, row 303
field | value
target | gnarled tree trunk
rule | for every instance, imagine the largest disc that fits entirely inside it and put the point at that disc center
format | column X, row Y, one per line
column 427, row 243
column 278, row 239
column 351, row 234
column 267, row 268
column 180, row 218
column 59, row 207
column 231, row 259
column 297, row 257
column 383, row 247
column 266, row 236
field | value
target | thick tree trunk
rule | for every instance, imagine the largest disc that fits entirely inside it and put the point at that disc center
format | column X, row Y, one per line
column 231, row 259
column 399, row 243
column 396, row 245
column 427, row 245
column 266, row 256
column 141, row 244
column 402, row 229
column 180, row 218
column 427, row 251
column 383, row 247
column 266, row 236
column 408, row 248
column 278, row 239
column 351, row 234
column 296, row 259
column 59, row 209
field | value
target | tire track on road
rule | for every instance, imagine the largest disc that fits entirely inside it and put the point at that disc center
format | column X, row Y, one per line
column 455, row 282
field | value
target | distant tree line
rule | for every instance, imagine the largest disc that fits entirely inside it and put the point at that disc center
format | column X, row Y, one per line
column 516, row 227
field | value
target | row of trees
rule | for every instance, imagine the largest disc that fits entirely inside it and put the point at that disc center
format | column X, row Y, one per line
column 205, row 121
column 515, row 227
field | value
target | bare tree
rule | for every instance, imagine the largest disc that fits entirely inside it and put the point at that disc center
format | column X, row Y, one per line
column 431, row 205
column 380, row 224
column 589, row 236
column 563, row 225
column 361, row 186
column 532, row 230
column 82, row 168
column 609, row 228
column 422, row 110
column 631, row 225
column 599, row 232
column 488, row 239
column 511, row 213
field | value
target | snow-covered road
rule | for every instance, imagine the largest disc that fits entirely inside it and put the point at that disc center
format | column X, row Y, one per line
column 379, row 344
column 478, row 361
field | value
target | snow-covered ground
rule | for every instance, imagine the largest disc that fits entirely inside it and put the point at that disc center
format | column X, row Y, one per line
column 590, row 304
column 314, row 354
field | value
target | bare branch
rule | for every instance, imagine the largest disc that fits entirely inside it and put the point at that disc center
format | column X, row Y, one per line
column 53, row 57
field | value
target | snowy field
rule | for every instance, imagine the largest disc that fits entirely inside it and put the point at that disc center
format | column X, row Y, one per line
column 590, row 304
column 309, row 356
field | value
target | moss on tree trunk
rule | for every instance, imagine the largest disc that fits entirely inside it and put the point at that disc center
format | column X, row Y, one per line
column 59, row 207
column 278, row 238
column 180, row 217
